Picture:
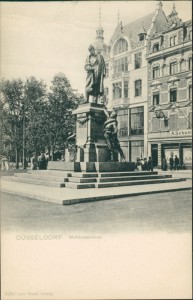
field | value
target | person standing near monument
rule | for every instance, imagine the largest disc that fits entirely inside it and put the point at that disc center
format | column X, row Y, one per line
column 42, row 162
column 171, row 162
column 150, row 164
column 96, row 70
column 164, row 164
column 34, row 162
column 176, row 162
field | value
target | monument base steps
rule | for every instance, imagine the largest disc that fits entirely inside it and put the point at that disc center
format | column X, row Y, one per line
column 84, row 180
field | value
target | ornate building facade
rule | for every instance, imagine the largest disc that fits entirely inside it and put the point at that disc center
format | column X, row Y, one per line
column 127, row 80
column 149, row 83
column 169, row 58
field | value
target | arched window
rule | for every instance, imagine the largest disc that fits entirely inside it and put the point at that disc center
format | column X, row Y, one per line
column 117, row 90
column 173, row 67
column 120, row 46
column 156, row 72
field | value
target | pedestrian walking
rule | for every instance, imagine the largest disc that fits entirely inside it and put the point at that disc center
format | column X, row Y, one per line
column 164, row 164
column 42, row 162
column 150, row 164
column 171, row 162
column 176, row 162
column 34, row 162
column 4, row 164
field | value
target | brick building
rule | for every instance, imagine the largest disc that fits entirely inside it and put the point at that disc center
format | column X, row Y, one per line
column 149, row 83
column 169, row 58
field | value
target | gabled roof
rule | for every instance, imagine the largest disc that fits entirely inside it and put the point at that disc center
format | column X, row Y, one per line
column 133, row 29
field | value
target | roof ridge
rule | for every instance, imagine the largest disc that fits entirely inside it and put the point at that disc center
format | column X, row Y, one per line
column 139, row 19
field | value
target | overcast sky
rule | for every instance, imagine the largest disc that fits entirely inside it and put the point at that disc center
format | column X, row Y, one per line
column 44, row 38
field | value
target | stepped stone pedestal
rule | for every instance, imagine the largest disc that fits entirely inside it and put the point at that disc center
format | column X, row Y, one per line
column 93, row 154
column 92, row 166
column 89, row 133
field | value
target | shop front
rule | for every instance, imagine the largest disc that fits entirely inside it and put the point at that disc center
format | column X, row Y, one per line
column 165, row 148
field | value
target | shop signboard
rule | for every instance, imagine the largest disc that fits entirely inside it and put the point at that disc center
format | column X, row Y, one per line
column 185, row 132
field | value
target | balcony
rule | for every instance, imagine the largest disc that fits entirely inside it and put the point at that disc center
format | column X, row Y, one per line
column 121, row 103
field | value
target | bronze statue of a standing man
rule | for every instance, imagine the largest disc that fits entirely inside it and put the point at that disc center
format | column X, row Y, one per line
column 96, row 71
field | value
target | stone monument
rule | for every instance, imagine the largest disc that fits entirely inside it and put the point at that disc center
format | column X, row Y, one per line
column 96, row 129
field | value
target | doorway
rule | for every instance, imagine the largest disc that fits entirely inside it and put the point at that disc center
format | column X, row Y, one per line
column 154, row 154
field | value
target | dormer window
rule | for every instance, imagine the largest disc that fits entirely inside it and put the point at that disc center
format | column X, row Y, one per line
column 142, row 36
column 156, row 47
column 142, row 33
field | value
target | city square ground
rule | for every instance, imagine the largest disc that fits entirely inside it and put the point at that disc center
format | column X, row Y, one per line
column 165, row 211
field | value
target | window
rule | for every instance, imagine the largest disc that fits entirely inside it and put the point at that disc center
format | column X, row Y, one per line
column 126, row 89
column 138, row 60
column 156, row 72
column 190, row 92
column 173, row 95
column 121, row 65
column 138, row 87
column 120, row 46
column 122, row 119
column 173, row 68
column 137, row 120
column 164, row 70
column 190, row 63
column 173, row 40
column 155, row 99
column 156, row 47
column 182, row 65
column 137, row 150
column 117, row 90
column 173, row 121
column 141, row 36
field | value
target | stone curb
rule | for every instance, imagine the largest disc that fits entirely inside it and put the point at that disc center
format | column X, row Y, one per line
column 93, row 199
